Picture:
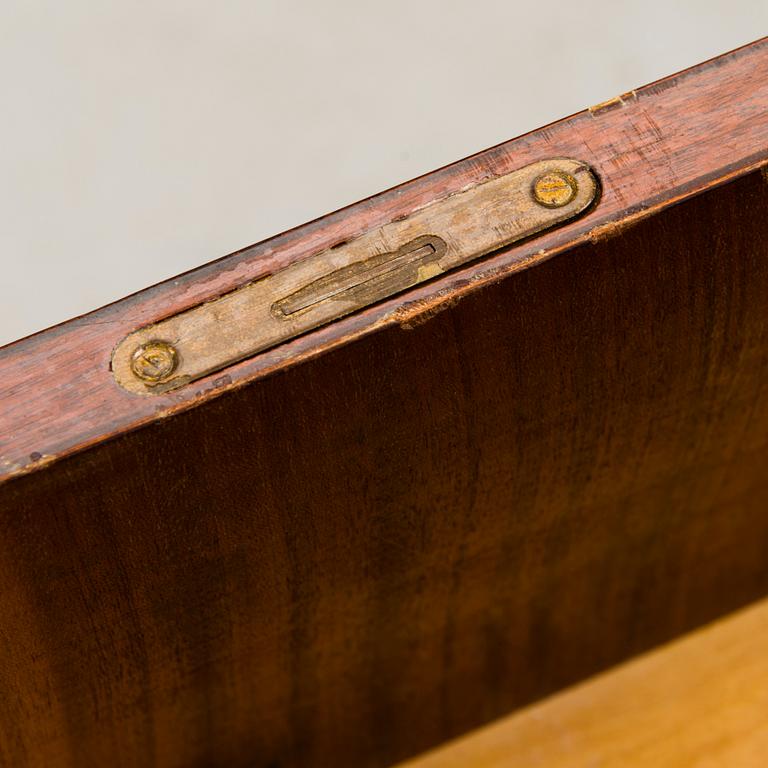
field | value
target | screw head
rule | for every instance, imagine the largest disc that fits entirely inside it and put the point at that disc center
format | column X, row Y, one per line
column 154, row 361
column 554, row 189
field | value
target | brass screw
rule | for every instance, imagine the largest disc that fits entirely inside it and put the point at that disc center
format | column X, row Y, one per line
column 154, row 361
column 555, row 189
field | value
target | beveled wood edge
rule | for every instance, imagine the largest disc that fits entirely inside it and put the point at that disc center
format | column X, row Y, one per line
column 57, row 395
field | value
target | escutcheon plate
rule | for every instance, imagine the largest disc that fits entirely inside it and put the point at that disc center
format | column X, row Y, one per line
column 374, row 266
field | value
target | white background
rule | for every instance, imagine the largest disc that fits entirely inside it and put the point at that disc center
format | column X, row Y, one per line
column 141, row 139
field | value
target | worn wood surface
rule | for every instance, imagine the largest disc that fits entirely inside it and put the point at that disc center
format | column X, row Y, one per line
column 358, row 558
column 650, row 148
column 701, row 701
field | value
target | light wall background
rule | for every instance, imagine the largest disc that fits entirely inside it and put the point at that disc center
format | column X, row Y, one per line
column 141, row 139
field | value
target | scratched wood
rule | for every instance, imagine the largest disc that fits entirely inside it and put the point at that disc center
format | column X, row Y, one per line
column 650, row 148
column 353, row 559
column 698, row 702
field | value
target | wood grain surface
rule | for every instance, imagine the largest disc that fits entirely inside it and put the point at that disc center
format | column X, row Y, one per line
column 701, row 701
column 651, row 148
column 355, row 559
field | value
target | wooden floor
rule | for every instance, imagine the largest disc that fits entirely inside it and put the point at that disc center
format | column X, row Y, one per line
column 701, row 701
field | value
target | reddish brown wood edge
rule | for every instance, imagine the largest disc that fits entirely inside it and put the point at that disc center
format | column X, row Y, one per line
column 651, row 148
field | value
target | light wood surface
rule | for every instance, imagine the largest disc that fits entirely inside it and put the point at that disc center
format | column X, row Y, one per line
column 701, row 701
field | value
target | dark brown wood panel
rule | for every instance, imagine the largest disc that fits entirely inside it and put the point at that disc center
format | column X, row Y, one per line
column 651, row 148
column 352, row 560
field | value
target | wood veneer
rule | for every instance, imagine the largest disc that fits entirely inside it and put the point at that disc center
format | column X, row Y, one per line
column 355, row 558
